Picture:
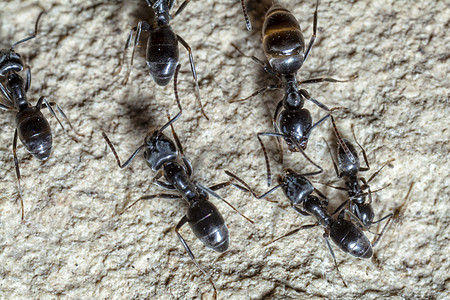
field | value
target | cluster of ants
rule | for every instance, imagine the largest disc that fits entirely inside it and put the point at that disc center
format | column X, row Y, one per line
column 286, row 51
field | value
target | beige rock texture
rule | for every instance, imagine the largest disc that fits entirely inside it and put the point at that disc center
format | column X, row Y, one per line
column 73, row 244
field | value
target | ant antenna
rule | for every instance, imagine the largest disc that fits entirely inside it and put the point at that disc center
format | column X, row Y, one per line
column 247, row 20
column 31, row 36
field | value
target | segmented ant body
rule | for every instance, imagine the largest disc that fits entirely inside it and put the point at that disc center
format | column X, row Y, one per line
column 299, row 190
column 166, row 157
column 285, row 50
column 357, row 201
column 32, row 127
column 162, row 45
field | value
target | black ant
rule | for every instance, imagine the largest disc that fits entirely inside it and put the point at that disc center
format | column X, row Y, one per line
column 32, row 127
column 356, row 202
column 161, row 154
column 284, row 47
column 298, row 189
column 162, row 45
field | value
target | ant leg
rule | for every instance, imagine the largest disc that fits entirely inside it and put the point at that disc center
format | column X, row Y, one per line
column 194, row 73
column 181, row 8
column 121, row 60
column 166, row 196
column 186, row 162
column 319, row 80
column 313, row 37
column 247, row 20
column 183, row 221
column 211, row 192
column 291, row 233
column 341, row 141
column 164, row 185
column 171, row 121
column 320, row 194
column 274, row 122
column 265, row 66
column 305, row 94
column 39, row 104
column 399, row 211
column 6, row 94
column 129, row 160
column 258, row 92
column 336, row 187
column 61, row 112
column 299, row 148
column 356, row 219
column 275, row 134
column 384, row 228
column 379, row 170
column 366, row 183
column 8, row 104
column 6, row 107
column 219, row 186
column 142, row 25
column 247, row 188
column 362, row 150
column 28, row 81
column 340, row 207
column 326, row 235
column 16, row 163
column 299, row 210
column 31, row 36
column 266, row 158
column 334, row 162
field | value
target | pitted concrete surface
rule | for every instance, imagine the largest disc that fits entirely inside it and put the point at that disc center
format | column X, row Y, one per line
column 73, row 243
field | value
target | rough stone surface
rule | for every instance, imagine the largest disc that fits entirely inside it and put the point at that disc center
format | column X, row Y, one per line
column 73, row 243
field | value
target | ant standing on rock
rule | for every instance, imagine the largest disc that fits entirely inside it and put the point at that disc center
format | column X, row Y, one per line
column 162, row 45
column 32, row 127
column 286, row 51
column 166, row 157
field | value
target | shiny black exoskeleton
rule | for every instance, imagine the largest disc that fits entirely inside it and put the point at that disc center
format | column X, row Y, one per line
column 162, row 45
column 32, row 127
column 348, row 167
column 298, row 189
column 166, row 157
column 286, row 51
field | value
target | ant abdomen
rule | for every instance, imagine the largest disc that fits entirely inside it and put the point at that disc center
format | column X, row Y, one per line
column 34, row 132
column 283, row 41
column 208, row 225
column 162, row 54
column 350, row 239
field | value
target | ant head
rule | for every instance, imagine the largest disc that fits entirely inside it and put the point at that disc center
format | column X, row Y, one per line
column 348, row 167
column 296, row 187
column 159, row 150
column 34, row 132
column 10, row 61
column 296, row 127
